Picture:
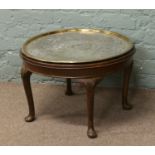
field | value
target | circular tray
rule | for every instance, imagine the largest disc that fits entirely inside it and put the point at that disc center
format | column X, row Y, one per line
column 76, row 46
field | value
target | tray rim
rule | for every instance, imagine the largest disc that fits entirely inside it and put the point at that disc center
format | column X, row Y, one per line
column 81, row 30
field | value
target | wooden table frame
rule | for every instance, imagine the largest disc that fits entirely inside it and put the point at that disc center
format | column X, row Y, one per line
column 89, row 74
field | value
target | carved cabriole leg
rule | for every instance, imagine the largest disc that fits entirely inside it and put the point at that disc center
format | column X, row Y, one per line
column 69, row 91
column 127, row 73
column 90, row 85
column 25, row 75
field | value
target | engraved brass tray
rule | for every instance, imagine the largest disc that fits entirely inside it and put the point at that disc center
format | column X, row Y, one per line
column 76, row 46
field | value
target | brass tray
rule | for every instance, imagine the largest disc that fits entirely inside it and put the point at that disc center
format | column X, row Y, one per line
column 76, row 46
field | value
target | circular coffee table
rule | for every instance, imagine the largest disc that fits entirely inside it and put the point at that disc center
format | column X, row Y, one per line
column 85, row 54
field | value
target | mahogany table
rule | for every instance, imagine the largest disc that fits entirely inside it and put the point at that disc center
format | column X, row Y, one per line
column 85, row 54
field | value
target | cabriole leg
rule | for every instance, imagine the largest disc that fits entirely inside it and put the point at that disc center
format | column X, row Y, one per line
column 25, row 75
column 127, row 73
column 69, row 91
column 90, row 85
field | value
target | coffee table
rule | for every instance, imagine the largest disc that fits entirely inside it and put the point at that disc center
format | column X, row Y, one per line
column 84, row 54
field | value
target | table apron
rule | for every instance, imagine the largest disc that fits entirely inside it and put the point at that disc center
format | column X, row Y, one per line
column 90, row 72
